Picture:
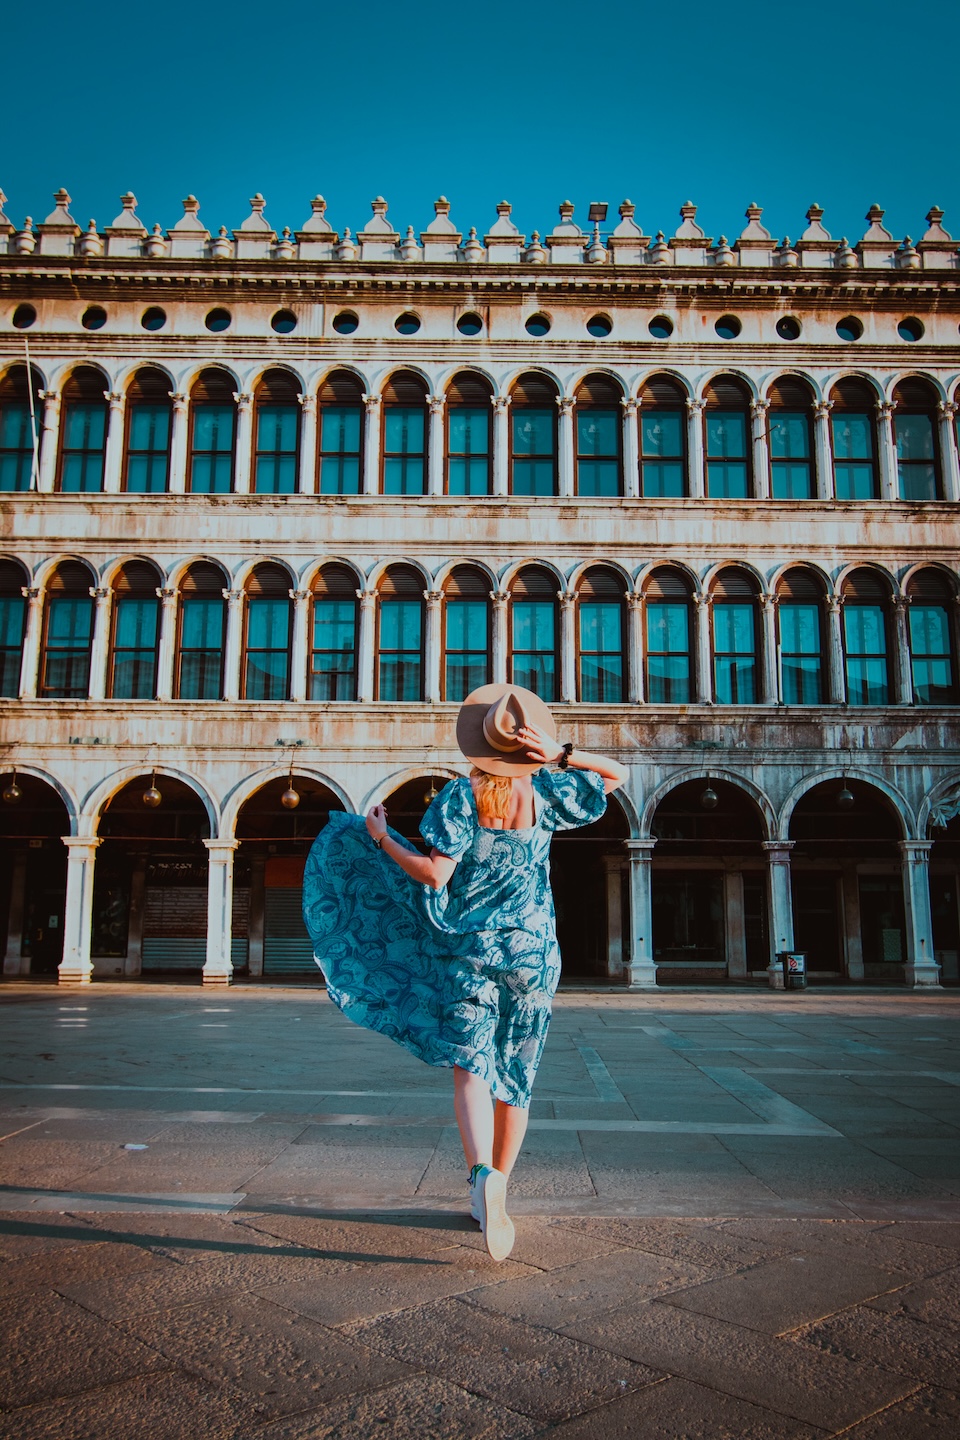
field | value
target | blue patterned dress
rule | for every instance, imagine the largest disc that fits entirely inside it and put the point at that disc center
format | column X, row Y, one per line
column 460, row 976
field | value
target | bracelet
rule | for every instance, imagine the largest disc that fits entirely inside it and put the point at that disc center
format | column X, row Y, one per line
column 378, row 841
column 564, row 759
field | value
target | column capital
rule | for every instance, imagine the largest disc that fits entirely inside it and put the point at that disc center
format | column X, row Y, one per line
column 50, row 397
column 500, row 403
column 885, row 408
column 436, row 403
column 500, row 597
column 180, row 400
column 634, row 600
column 115, row 398
column 166, row 595
column 631, row 405
column 566, row 404
column 822, row 408
column 900, row 602
column 759, row 408
column 702, row 601
column 696, row 407
column 947, row 409
column 433, row 598
column 778, row 850
column 567, row 598
column 371, row 403
column 367, row 598
column 31, row 592
column 308, row 403
column 232, row 597
column 639, row 849
column 767, row 601
column 218, row 848
column 243, row 398
column 79, row 843
column 100, row 593
column 916, row 850
column 299, row 597
column 834, row 604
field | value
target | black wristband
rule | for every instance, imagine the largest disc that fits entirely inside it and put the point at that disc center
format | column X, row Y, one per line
column 564, row 759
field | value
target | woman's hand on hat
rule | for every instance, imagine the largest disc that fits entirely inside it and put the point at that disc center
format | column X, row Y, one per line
column 539, row 745
column 377, row 822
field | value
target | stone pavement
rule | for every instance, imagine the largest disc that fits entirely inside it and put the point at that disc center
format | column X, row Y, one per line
column 237, row 1217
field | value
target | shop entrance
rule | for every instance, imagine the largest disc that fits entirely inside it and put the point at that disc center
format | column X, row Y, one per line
column 33, row 858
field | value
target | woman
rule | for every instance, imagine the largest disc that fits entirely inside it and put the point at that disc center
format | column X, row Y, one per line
column 461, row 967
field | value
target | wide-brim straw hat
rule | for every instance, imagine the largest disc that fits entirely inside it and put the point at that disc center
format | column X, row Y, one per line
column 488, row 723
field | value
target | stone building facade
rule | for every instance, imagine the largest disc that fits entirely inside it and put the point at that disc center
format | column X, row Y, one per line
column 272, row 503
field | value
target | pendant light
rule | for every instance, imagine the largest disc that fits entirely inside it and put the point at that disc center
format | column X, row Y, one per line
column 290, row 798
column 152, row 797
column 12, row 795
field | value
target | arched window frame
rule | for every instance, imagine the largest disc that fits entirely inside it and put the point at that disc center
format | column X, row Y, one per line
column 541, row 672
column 401, row 635
column 334, row 635
column 663, row 439
column 84, row 420
column 790, row 428
column 601, row 640
column 737, row 665
column 67, row 642
column 598, row 432
column 202, row 613
column 802, row 634
column 534, row 471
column 134, row 633
column 468, row 436
column 854, row 441
column 868, row 669
column 276, row 434
column 916, row 434
column 467, row 633
column 932, row 638
column 728, row 448
column 340, row 434
column 19, row 443
column 668, row 620
column 213, row 422
column 13, row 625
column 405, row 431
column 265, row 661
column 147, row 433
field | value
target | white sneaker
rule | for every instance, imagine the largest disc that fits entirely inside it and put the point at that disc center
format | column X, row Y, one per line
column 474, row 1203
column 489, row 1197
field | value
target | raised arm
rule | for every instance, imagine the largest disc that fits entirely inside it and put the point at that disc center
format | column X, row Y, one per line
column 434, row 871
column 541, row 747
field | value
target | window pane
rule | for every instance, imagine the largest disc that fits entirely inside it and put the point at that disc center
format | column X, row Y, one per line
column 82, row 472
column 147, row 474
column 791, row 480
column 466, row 625
column 662, row 433
column 334, row 625
column 69, row 622
column 84, row 427
column 149, row 427
column 668, row 628
column 929, row 630
column 533, row 625
column 268, row 624
column 15, row 427
column 213, row 427
column 340, row 428
column 533, row 477
column 726, row 481
column 663, row 478
column 340, row 475
column 468, row 431
column 668, row 679
column 867, row 682
column 276, row 475
column 134, row 675
column 598, row 477
column 200, row 675
column 601, row 679
column 468, row 476
column 202, row 624
column 277, row 427
column 211, row 474
column 918, row 482
column 15, row 469
column 726, row 434
column 598, row 433
column 400, row 624
column 403, row 475
column 789, row 435
column 852, row 437
column 801, row 680
column 135, row 626
column 799, row 629
column 600, row 626
column 733, row 630
column 735, row 681
column 464, row 672
column 914, row 437
column 536, row 673
column 403, row 431
column 864, row 630
column 266, row 675
column 533, row 432
column 855, row 482
column 400, row 677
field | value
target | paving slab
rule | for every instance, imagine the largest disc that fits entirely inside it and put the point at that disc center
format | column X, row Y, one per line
column 935, row 1301
column 166, row 1405
column 424, row 1408
column 679, row 1410
column 927, row 1414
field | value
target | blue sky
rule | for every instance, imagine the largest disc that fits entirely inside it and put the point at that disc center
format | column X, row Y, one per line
column 722, row 104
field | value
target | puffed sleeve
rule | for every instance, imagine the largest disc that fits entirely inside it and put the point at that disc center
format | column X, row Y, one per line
column 569, row 798
column 448, row 824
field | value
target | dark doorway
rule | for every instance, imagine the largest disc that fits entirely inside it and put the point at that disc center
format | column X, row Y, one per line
column 578, row 877
column 34, row 861
column 817, row 920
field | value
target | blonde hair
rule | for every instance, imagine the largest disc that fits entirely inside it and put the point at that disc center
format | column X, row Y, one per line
column 493, row 794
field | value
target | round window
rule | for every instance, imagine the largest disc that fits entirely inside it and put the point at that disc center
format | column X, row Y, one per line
column 24, row 316
column 407, row 323
column 345, row 323
column 218, row 320
column 849, row 328
column 154, row 318
column 284, row 321
column 661, row 327
column 599, row 326
column 728, row 327
column 470, row 324
column 94, row 318
column 538, row 325
column 910, row 329
column 789, row 327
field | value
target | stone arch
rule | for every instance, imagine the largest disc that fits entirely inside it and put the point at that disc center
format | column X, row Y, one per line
column 792, row 373
column 937, row 385
column 243, row 574
column 98, row 798
column 747, row 380
column 443, row 574
column 672, row 373
column 65, row 792
column 238, row 795
column 46, row 568
column 512, row 571
column 895, row 797
column 313, row 568
column 113, row 567
column 710, row 575
column 179, row 568
column 377, row 572
column 706, row 773
column 687, row 570
column 393, row 782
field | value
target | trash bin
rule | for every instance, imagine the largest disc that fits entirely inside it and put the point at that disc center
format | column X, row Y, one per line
column 794, row 964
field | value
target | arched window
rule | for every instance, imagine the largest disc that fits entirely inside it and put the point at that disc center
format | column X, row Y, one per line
column 202, row 633
column 277, row 420
column 466, row 633
column 17, row 455
column 404, row 436
column 533, row 431
column 533, row 648
column 663, row 442
column 400, row 635
column 267, row 631
column 83, row 431
column 341, row 434
column 67, row 634
column 599, row 427
column 915, row 428
column 865, row 638
column 727, row 420
column 136, row 633
column 13, row 620
column 791, row 440
column 333, row 647
column 669, row 650
column 932, row 650
column 148, row 433
column 213, row 413
column 601, row 634
column 853, row 430
column 800, row 610
column 735, row 665
column 468, row 436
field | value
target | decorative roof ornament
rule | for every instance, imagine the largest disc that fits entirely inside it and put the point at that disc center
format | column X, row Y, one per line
column 755, row 243
column 441, row 239
column 286, row 248
column 844, row 257
column 786, row 257
column 155, row 246
column 256, row 237
column 877, row 246
column 410, row 250
column 596, row 253
column 722, row 254
column 90, row 245
column 473, row 252
column 378, row 240
column 189, row 238
column 25, row 241
column 659, row 252
column 222, row 247
column 347, row 250
column 816, row 245
column 627, row 243
column 503, row 241
column 6, row 226
column 566, row 237
column 317, row 224
column 936, row 231
column 317, row 239
column 689, row 244
column 815, row 230
column 908, row 257
column 126, row 235
column 937, row 246
column 58, row 233
column 535, row 253
column 688, row 229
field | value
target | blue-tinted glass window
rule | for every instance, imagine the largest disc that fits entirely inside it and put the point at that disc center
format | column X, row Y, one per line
column 669, row 661
column 728, row 476
column 598, row 452
column 400, row 652
column 662, row 453
column 148, row 449
column 13, row 619
column 65, row 672
column 534, row 659
column 278, row 430
column 135, row 635
column 333, row 655
column 854, row 462
column 202, row 626
column 211, row 450
column 800, row 653
column 466, row 648
column 534, row 457
column 341, row 430
column 916, row 457
column 16, row 446
column 865, row 642
column 468, row 450
column 734, row 653
column 267, row 651
column 931, row 655
column 404, row 450
column 83, row 440
column 791, row 470
column 601, row 652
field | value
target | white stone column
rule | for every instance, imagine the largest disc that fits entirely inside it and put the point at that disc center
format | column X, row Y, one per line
column 636, row 645
column 371, row 445
column 921, row 968
column 759, row 409
column 499, row 599
column 501, row 444
column 49, row 439
column 218, row 967
column 33, row 632
column 781, row 905
column 298, row 649
column 566, row 458
column 366, row 642
column 431, row 647
column 179, row 434
column 435, row 445
column 568, row 646
column 166, row 649
column 902, row 669
column 949, row 460
column 823, row 449
column 836, row 670
column 887, row 451
column 76, row 967
column 233, row 646
column 704, row 675
column 642, row 969
column 307, row 474
column 770, row 688
column 696, row 464
column 613, row 867
column 243, row 463
column 113, row 454
column 100, row 646
column 631, row 448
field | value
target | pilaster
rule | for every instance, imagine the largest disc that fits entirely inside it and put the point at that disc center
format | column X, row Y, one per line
column 642, row 968
column 76, row 967
column 218, row 967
